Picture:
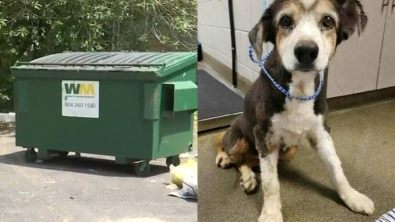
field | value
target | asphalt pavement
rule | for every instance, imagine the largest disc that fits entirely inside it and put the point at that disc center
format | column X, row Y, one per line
column 84, row 189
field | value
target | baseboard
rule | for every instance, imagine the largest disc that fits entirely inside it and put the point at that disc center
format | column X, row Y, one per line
column 361, row 99
column 216, row 122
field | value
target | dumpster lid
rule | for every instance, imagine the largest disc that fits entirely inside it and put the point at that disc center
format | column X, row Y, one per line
column 109, row 61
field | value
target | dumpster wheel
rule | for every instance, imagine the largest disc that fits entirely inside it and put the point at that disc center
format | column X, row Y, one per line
column 61, row 154
column 30, row 155
column 175, row 160
column 142, row 168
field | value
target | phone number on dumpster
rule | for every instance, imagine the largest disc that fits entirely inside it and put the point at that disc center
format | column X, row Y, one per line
column 80, row 105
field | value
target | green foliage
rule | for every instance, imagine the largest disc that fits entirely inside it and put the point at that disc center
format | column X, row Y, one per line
column 33, row 28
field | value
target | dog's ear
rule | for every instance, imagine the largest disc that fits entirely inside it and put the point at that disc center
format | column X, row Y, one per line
column 262, row 32
column 352, row 16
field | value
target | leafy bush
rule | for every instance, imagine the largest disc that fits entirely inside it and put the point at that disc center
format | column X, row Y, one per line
column 33, row 28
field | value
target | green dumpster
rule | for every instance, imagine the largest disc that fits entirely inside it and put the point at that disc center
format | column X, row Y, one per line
column 134, row 106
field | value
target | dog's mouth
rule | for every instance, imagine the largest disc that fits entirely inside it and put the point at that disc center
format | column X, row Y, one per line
column 306, row 68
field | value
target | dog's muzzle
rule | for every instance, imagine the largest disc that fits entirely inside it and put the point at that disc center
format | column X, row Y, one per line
column 306, row 52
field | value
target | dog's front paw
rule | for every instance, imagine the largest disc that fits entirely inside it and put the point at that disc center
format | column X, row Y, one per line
column 248, row 182
column 358, row 202
column 274, row 217
column 223, row 160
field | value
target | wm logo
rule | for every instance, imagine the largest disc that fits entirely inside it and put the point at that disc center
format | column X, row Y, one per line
column 79, row 89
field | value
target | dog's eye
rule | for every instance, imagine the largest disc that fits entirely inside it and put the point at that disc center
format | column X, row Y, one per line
column 286, row 22
column 328, row 22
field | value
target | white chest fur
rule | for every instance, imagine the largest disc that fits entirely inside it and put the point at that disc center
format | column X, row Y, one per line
column 298, row 116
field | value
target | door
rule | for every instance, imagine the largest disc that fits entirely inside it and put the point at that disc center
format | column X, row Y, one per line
column 355, row 66
column 386, row 76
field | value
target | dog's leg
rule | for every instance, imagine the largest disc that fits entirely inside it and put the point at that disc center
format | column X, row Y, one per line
column 241, row 155
column 354, row 200
column 286, row 156
column 223, row 160
column 248, row 181
column 271, row 211
column 268, row 158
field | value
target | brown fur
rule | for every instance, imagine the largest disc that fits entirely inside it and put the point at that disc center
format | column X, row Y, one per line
column 239, row 153
column 218, row 142
column 287, row 155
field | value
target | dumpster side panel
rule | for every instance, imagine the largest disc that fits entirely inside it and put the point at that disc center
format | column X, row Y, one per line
column 120, row 130
column 175, row 135
column 176, row 125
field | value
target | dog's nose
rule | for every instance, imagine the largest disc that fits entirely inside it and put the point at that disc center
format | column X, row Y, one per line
column 306, row 52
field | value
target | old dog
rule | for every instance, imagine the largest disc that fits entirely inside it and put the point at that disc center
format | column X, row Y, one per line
column 305, row 35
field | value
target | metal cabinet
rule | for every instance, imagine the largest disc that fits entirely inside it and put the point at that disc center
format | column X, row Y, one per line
column 354, row 68
column 366, row 63
column 386, row 74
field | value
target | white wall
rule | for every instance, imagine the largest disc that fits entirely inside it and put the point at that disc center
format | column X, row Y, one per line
column 349, row 74
column 214, row 31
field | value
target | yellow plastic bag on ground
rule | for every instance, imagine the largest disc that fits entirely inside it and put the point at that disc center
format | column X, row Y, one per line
column 185, row 177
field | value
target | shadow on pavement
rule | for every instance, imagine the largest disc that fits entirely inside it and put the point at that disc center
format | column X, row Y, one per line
column 5, row 131
column 87, row 165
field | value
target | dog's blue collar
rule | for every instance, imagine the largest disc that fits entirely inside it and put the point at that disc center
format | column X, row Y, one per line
column 284, row 91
